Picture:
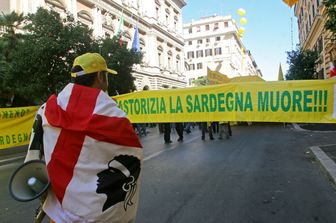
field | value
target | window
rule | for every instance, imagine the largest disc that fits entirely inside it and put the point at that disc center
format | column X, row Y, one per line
column 199, row 53
column 190, row 43
column 160, row 55
column 177, row 67
column 198, row 29
column 190, row 54
column 175, row 22
column 218, row 38
column 160, row 59
column 192, row 66
column 199, row 41
column 190, row 30
column 199, row 66
column 226, row 24
column 218, row 51
column 207, row 40
column 216, row 26
column 207, row 27
column 208, row 52
column 169, row 62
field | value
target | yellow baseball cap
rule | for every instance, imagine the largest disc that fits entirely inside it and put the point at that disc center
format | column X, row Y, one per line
column 90, row 63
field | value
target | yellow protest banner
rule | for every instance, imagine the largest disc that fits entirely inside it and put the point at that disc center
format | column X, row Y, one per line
column 311, row 101
column 279, row 101
column 16, row 125
column 215, row 77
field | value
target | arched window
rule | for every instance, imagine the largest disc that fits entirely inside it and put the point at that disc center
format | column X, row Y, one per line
column 57, row 6
column 85, row 18
column 160, row 56
column 178, row 63
column 169, row 55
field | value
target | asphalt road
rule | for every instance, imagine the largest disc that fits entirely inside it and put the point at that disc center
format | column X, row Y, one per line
column 263, row 174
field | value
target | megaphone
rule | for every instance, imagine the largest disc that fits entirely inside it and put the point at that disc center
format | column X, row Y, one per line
column 29, row 181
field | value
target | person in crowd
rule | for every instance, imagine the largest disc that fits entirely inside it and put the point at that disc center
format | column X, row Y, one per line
column 92, row 153
column 207, row 127
column 224, row 129
column 166, row 133
column 179, row 130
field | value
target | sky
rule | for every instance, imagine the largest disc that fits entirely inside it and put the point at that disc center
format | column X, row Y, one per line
column 268, row 33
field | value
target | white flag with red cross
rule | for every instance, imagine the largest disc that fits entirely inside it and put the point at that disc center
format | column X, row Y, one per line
column 93, row 158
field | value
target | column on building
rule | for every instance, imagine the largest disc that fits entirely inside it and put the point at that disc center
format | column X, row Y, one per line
column 36, row 4
column 24, row 7
column 97, row 21
column 13, row 5
column 165, row 54
column 161, row 11
column 174, row 60
column 151, row 49
column 149, row 8
column 72, row 8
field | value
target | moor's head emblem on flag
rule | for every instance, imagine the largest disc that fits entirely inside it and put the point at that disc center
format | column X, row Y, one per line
column 118, row 182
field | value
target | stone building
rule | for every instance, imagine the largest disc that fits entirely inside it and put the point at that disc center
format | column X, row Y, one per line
column 214, row 42
column 160, row 31
column 311, row 15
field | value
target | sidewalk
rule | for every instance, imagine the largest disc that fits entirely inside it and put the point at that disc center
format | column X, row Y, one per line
column 318, row 127
column 325, row 155
column 12, row 154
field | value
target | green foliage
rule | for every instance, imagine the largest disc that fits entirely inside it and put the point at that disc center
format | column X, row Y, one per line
column 37, row 63
column 331, row 21
column 302, row 64
column 42, row 63
column 9, row 42
column 200, row 81
column 120, row 59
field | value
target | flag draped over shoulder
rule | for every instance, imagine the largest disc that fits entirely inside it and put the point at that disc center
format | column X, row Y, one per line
column 93, row 158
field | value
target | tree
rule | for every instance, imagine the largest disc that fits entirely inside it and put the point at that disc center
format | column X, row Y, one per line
column 302, row 64
column 41, row 62
column 200, row 81
column 41, row 65
column 120, row 59
column 9, row 42
column 331, row 20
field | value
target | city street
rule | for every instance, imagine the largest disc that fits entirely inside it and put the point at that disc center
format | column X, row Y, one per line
column 264, row 173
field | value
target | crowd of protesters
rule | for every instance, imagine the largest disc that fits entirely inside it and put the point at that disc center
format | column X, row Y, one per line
column 223, row 129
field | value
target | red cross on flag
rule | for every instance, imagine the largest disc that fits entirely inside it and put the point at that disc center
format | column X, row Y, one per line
column 93, row 158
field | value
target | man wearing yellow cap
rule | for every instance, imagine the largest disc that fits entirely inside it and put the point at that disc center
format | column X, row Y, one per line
column 92, row 153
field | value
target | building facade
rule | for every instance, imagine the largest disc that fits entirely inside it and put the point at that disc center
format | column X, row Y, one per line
column 214, row 42
column 160, row 31
column 311, row 15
